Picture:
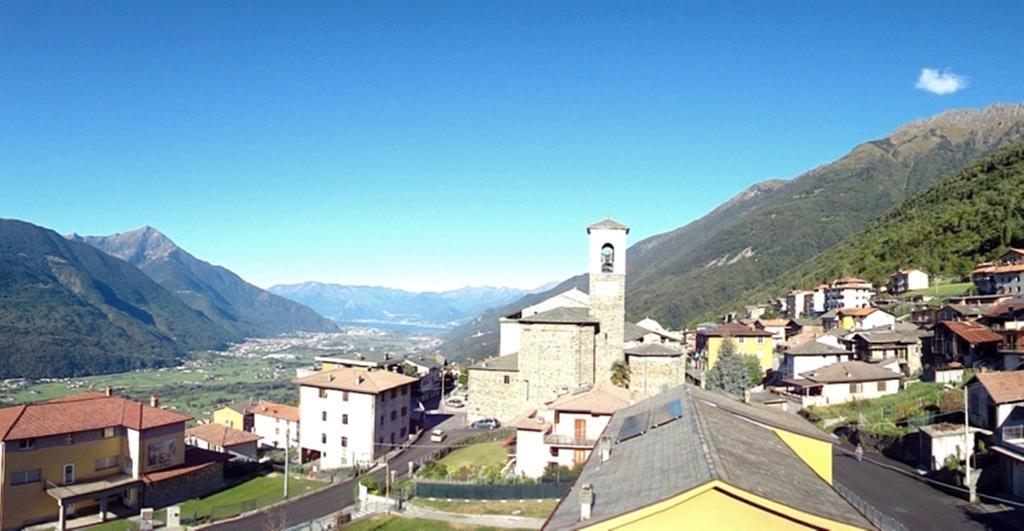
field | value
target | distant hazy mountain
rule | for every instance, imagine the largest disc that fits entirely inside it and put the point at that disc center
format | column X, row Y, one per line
column 387, row 305
column 68, row 309
column 222, row 296
column 771, row 228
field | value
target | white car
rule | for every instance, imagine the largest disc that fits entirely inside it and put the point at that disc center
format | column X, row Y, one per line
column 437, row 436
column 455, row 401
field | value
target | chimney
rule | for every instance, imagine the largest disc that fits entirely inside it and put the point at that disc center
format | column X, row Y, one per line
column 109, row 391
column 606, row 448
column 586, row 501
column 154, row 401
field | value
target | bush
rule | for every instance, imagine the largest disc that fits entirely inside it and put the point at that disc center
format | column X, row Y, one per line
column 371, row 484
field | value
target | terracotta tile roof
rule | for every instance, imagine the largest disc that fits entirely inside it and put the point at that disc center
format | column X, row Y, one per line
column 972, row 332
column 1002, row 309
column 196, row 459
column 356, row 380
column 850, row 371
column 1003, row 387
column 735, row 330
column 604, row 398
column 993, row 269
column 773, row 322
column 89, row 411
column 857, row 312
column 279, row 411
column 221, row 435
column 528, row 421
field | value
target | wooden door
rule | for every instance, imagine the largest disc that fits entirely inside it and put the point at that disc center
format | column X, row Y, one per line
column 581, row 428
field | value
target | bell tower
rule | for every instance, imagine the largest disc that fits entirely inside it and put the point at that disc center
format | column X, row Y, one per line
column 607, row 272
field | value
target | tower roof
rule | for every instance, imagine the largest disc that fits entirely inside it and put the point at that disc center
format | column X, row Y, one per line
column 608, row 224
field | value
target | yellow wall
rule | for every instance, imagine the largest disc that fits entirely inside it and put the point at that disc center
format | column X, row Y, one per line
column 29, row 501
column 326, row 366
column 764, row 351
column 815, row 452
column 848, row 323
column 717, row 505
column 226, row 416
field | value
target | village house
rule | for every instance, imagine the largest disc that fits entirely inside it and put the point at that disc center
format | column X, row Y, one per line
column 655, row 367
column 877, row 345
column 91, row 452
column 937, row 442
column 862, row 318
column 809, row 356
column 648, row 331
column 844, row 382
column 996, row 405
column 848, row 292
column 965, row 342
column 687, row 456
column 220, row 438
column 962, row 312
column 796, row 303
column 746, row 340
column 374, row 359
column 430, row 372
column 565, row 431
column 905, row 280
column 778, row 328
column 234, row 415
column 273, row 423
column 353, row 416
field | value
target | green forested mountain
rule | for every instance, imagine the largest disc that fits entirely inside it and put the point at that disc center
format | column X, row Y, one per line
column 775, row 227
column 68, row 309
column 222, row 296
column 971, row 216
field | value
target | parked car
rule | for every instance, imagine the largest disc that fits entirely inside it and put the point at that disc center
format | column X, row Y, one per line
column 437, row 436
column 486, row 424
column 455, row 401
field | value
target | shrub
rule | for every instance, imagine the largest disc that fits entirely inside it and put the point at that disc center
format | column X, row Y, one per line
column 371, row 484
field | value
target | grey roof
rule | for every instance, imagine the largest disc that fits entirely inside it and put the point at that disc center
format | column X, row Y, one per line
column 815, row 348
column 608, row 224
column 652, row 349
column 508, row 362
column 831, row 314
column 850, row 371
column 370, row 358
column 633, row 332
column 562, row 316
column 807, row 321
column 887, row 336
column 423, row 361
column 709, row 441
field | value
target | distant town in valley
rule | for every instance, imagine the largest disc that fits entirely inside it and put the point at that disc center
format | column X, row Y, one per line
column 509, row 266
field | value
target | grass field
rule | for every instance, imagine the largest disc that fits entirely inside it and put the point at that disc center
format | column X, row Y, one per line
column 395, row 523
column 479, row 455
column 942, row 291
column 267, row 489
column 530, row 508
column 881, row 416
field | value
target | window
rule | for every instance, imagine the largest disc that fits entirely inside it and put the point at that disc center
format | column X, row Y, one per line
column 344, row 442
column 344, row 396
column 507, row 379
column 69, row 439
column 394, row 414
column 26, row 444
column 739, row 339
column 323, row 416
column 405, row 390
column 760, row 340
column 26, row 476
column 855, row 387
column 108, row 433
column 277, row 430
column 323, row 438
column 344, row 418
column 323, row 393
column 107, row 462
column 881, row 387
column 394, row 393
column 405, row 411
column 403, row 432
column 382, row 420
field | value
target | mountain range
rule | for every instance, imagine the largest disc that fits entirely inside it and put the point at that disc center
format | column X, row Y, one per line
column 384, row 306
column 711, row 264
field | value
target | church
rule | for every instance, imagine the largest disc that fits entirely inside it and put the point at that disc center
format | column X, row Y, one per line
column 571, row 340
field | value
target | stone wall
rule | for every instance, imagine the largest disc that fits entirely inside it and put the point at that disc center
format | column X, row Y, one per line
column 651, row 375
column 554, row 359
column 608, row 305
column 185, row 487
column 491, row 396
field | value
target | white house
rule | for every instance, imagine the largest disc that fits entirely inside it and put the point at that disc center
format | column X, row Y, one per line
column 353, row 416
column 810, row 356
column 905, row 280
column 848, row 292
column 864, row 318
column 221, row 438
column 843, row 382
column 273, row 422
column 566, row 431
column 795, row 303
column 996, row 404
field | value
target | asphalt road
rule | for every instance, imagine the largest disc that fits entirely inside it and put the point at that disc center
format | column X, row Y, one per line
column 915, row 503
column 337, row 497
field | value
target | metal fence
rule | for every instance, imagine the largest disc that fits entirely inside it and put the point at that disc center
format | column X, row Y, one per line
column 877, row 518
column 473, row 491
column 231, row 510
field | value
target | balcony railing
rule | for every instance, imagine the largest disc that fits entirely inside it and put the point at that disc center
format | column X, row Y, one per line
column 569, row 441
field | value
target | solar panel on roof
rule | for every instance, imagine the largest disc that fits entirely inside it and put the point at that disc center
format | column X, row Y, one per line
column 666, row 413
column 633, row 426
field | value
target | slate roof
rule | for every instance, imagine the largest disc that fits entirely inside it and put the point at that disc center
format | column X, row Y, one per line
column 608, row 224
column 1003, row 387
column 709, row 441
column 604, row 398
column 633, row 332
column 239, row 406
column 735, row 330
column 971, row 332
column 370, row 358
column 1002, row 309
column 850, row 372
column 816, row 348
column 562, row 316
column 85, row 412
column 888, row 336
column 508, row 362
column 356, row 380
column 221, row 435
column 652, row 349
column 423, row 361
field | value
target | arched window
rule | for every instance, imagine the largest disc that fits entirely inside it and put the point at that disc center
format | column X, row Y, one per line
column 607, row 258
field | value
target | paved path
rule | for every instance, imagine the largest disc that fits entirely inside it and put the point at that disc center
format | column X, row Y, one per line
column 484, row 520
column 915, row 503
column 337, row 497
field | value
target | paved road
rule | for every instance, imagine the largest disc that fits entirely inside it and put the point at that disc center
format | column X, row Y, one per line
column 337, row 497
column 913, row 502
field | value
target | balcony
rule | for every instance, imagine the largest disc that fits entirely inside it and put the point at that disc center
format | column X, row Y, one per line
column 568, row 441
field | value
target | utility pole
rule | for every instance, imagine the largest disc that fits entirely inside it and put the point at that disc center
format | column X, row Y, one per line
column 287, row 457
column 972, row 496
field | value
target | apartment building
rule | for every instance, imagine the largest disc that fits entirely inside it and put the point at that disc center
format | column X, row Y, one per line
column 274, row 422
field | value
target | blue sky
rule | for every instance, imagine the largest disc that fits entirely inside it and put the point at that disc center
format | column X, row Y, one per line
column 430, row 145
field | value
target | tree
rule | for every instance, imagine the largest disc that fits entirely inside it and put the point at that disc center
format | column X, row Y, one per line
column 733, row 373
column 409, row 370
column 464, row 378
column 620, row 373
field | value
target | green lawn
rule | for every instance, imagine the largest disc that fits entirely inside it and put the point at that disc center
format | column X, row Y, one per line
column 396, row 523
column 530, row 508
column 942, row 291
column 266, row 489
column 479, row 455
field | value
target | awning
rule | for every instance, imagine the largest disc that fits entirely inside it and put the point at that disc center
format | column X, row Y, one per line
column 92, row 489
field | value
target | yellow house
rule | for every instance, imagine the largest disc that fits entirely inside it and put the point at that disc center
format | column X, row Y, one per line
column 235, row 415
column 692, row 459
column 85, row 453
column 748, row 341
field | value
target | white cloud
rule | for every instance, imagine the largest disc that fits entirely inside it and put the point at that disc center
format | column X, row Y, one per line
column 940, row 81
